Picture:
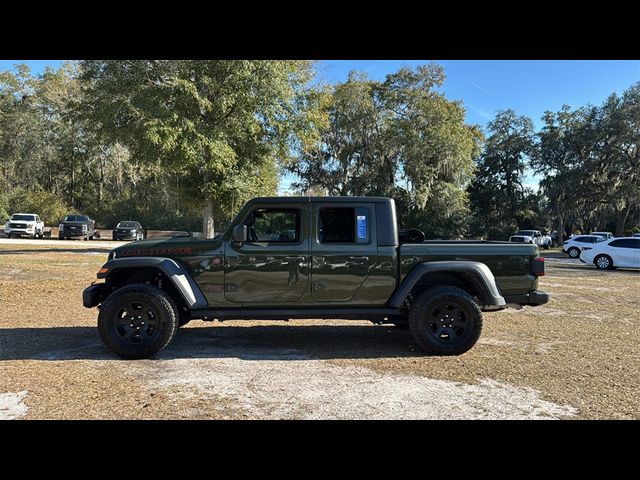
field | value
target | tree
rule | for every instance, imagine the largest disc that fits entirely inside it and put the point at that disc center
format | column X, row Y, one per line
column 400, row 138
column 591, row 165
column 498, row 196
column 220, row 124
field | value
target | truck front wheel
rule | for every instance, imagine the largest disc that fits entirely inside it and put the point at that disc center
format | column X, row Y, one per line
column 137, row 321
column 445, row 320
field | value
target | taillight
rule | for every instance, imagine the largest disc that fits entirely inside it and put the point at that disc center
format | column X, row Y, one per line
column 537, row 266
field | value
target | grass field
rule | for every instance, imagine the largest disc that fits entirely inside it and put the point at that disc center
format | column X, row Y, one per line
column 577, row 357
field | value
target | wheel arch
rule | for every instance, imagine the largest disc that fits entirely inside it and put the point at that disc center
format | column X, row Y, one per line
column 164, row 272
column 474, row 277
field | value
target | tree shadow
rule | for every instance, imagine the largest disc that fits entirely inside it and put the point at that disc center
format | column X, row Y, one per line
column 592, row 269
column 269, row 342
column 94, row 250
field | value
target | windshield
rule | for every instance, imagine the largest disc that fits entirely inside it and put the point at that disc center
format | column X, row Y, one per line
column 528, row 233
column 127, row 225
column 75, row 218
column 24, row 218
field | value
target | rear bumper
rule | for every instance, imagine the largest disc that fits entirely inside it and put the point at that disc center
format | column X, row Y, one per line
column 534, row 298
column 93, row 295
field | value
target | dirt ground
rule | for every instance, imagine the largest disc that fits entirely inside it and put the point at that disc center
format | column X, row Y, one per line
column 577, row 357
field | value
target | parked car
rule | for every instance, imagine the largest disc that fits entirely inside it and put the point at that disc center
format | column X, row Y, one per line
column 617, row 252
column 128, row 230
column 75, row 225
column 605, row 235
column 437, row 289
column 537, row 237
column 521, row 239
column 24, row 224
column 574, row 245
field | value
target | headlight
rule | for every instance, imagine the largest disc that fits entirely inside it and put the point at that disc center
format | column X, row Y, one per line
column 61, row 227
column 84, row 227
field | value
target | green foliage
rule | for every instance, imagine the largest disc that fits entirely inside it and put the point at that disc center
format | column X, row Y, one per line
column 400, row 138
column 590, row 160
column 49, row 206
column 501, row 203
column 155, row 140
column 220, row 123
column 4, row 208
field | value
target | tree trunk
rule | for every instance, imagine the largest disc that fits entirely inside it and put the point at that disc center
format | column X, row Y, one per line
column 207, row 219
column 621, row 220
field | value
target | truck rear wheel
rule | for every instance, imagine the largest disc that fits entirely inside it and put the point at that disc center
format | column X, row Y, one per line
column 445, row 320
column 137, row 321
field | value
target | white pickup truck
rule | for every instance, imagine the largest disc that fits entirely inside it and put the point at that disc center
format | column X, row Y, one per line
column 532, row 236
column 21, row 224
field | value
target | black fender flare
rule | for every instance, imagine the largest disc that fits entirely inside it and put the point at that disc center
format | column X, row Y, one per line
column 176, row 273
column 476, row 272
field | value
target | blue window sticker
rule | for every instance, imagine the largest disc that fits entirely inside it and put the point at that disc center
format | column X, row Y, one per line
column 361, row 224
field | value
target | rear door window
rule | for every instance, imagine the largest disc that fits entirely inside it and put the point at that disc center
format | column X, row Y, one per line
column 623, row 243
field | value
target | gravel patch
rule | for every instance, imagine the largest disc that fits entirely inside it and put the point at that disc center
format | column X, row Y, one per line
column 12, row 405
column 315, row 389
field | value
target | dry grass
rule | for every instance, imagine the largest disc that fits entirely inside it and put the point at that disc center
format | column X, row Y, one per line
column 580, row 350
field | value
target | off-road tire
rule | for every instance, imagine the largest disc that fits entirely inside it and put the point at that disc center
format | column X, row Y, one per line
column 163, row 307
column 603, row 262
column 574, row 255
column 467, row 326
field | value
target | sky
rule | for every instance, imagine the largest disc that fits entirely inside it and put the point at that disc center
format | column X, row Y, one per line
column 530, row 87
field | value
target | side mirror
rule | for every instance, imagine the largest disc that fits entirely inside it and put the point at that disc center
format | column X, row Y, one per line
column 239, row 234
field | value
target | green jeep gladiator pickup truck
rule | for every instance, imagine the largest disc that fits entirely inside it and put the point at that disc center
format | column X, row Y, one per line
column 311, row 257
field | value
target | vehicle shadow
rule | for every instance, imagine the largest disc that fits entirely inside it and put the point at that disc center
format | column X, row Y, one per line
column 269, row 342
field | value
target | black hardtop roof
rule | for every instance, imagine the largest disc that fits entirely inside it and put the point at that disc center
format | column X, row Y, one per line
column 319, row 199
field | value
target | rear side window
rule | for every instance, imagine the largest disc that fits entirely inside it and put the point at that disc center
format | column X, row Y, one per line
column 343, row 225
column 583, row 239
column 625, row 243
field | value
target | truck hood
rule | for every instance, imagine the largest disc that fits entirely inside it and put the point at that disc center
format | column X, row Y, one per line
column 165, row 247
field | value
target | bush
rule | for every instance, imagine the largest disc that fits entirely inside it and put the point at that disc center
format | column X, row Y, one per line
column 49, row 206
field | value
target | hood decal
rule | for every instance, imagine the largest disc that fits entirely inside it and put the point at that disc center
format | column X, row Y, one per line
column 157, row 251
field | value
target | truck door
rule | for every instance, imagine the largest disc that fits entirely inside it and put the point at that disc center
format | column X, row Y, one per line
column 343, row 249
column 272, row 267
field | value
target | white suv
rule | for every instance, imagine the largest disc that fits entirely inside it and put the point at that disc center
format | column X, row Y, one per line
column 21, row 224
column 605, row 235
column 617, row 252
column 574, row 245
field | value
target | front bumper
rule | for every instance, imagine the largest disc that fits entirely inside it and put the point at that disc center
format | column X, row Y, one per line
column 19, row 231
column 73, row 233
column 93, row 295
column 533, row 299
